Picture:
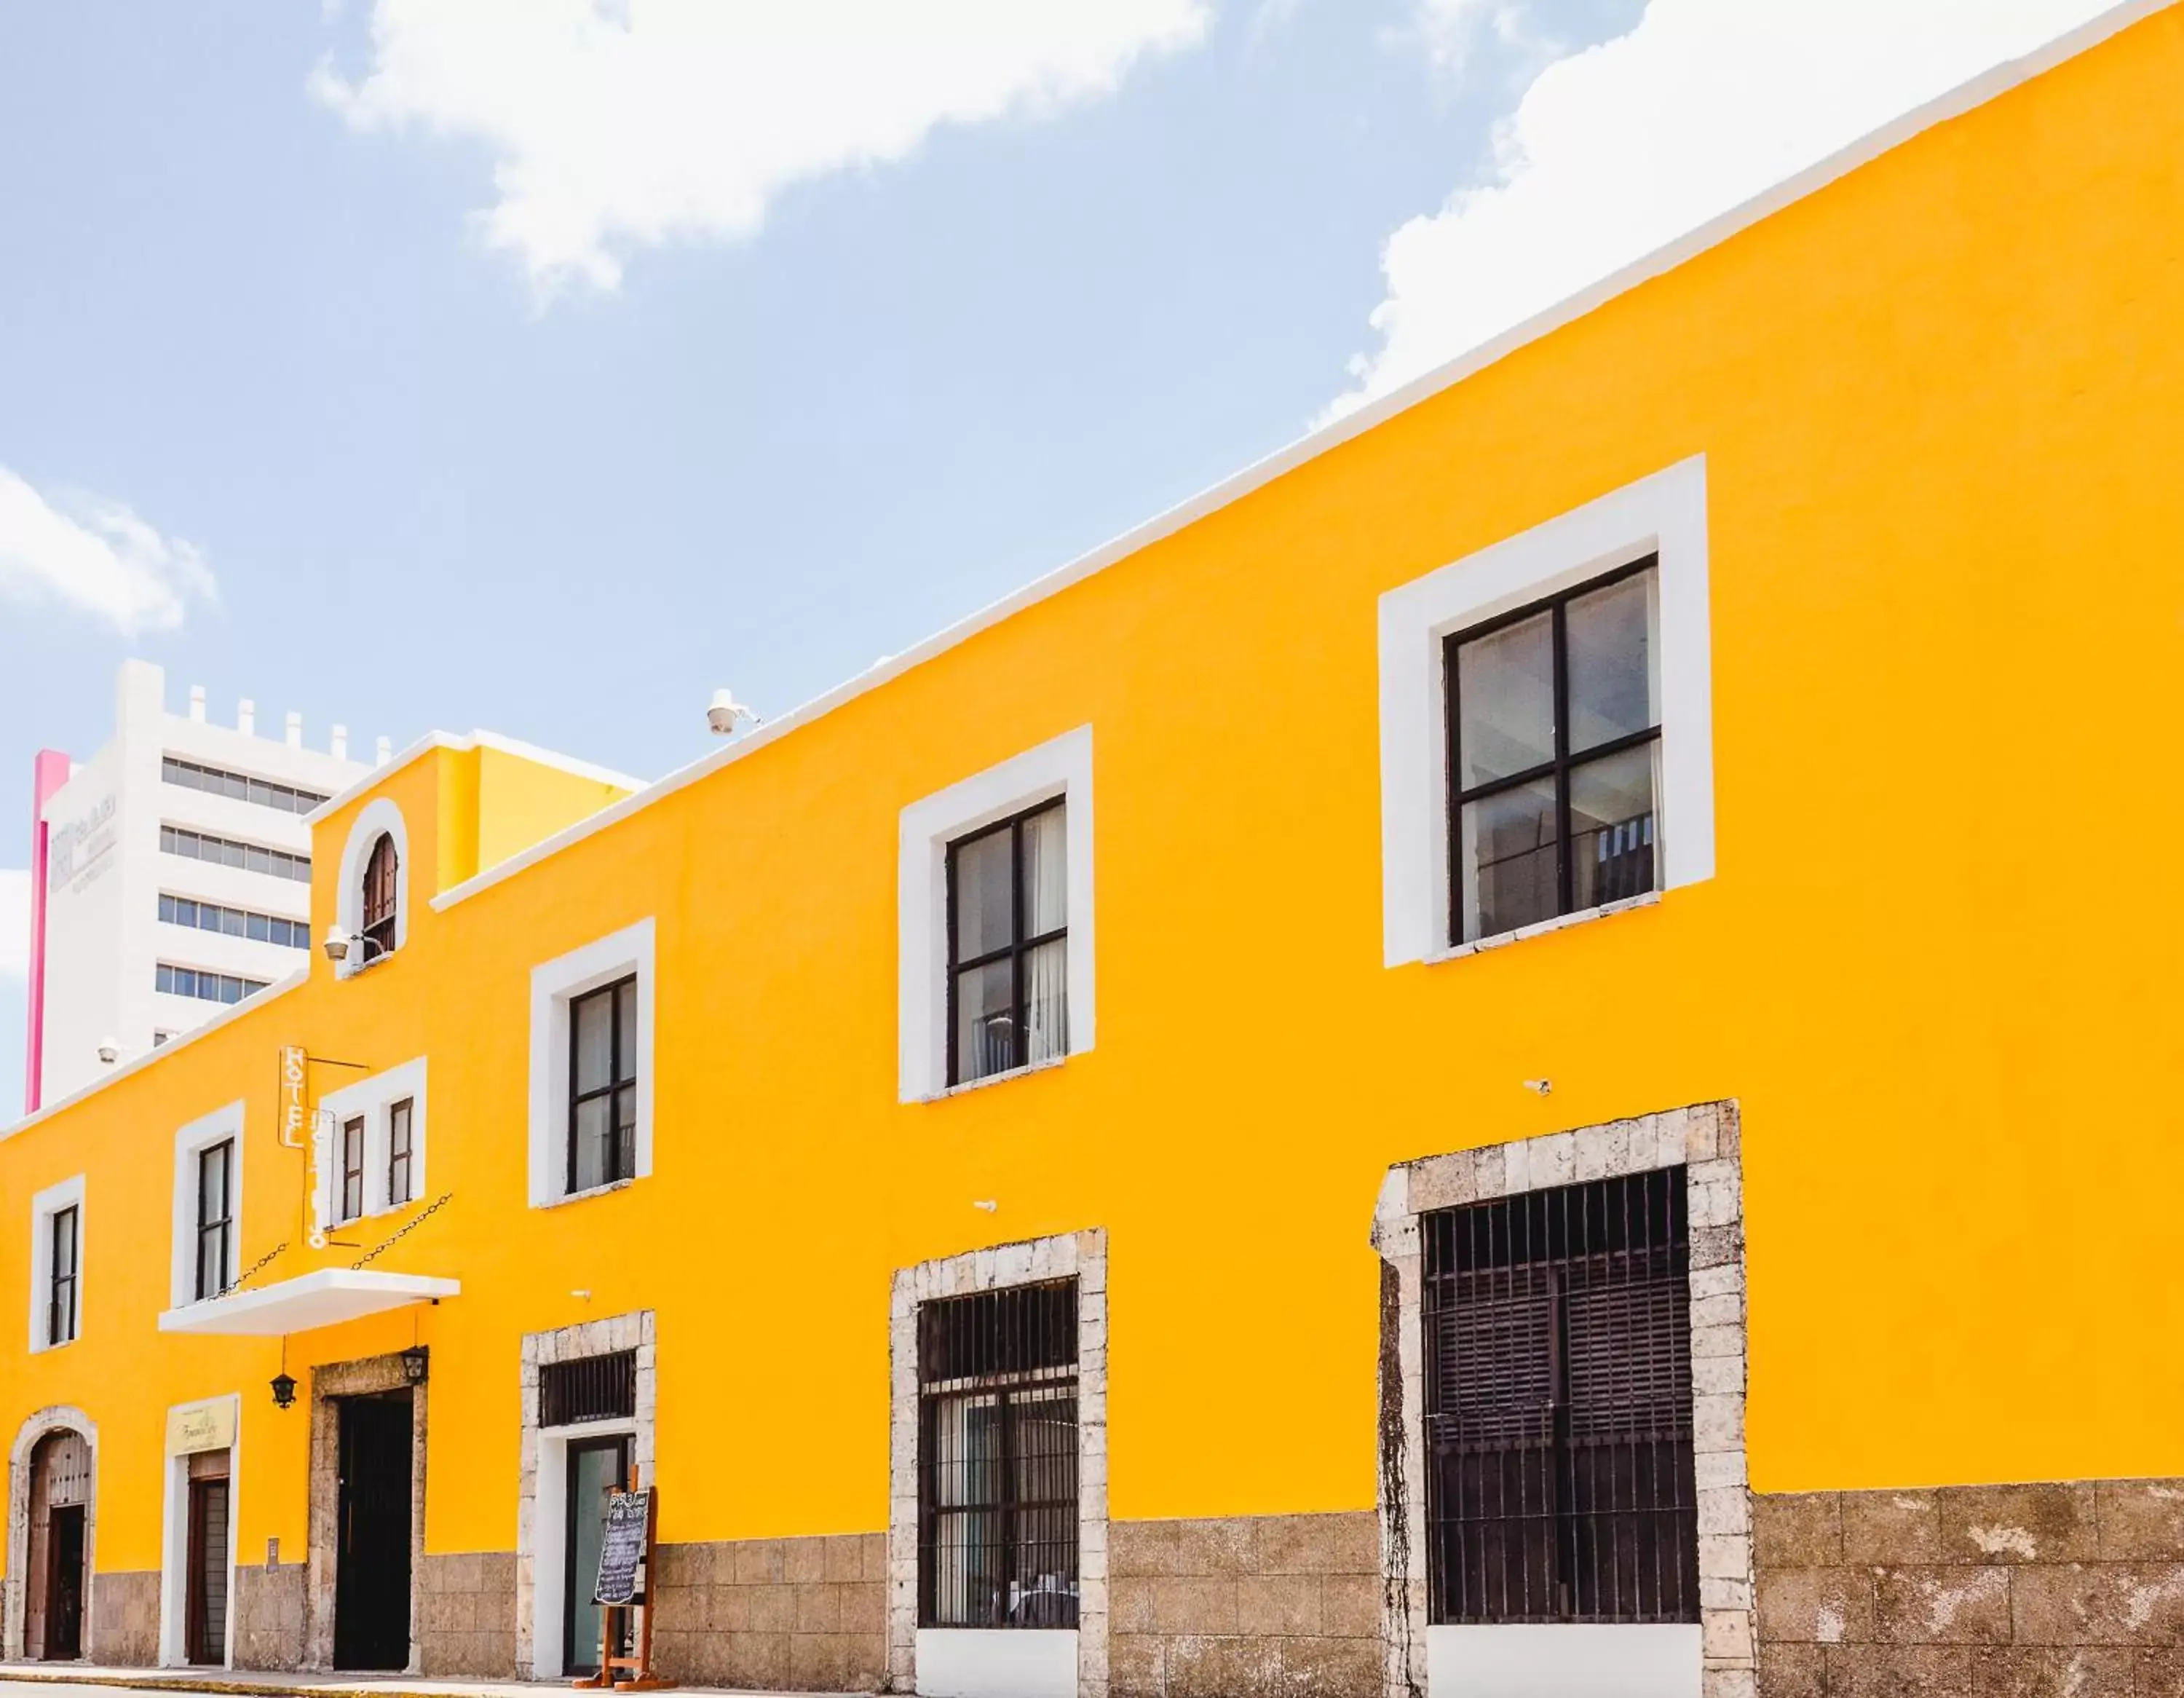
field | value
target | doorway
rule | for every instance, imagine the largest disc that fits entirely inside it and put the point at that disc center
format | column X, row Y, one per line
column 371, row 1559
column 204, row 1610
column 597, row 1467
column 59, row 1573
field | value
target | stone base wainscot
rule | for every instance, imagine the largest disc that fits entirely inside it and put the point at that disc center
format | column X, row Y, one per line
column 784, row 1615
column 1238, row 1607
column 466, row 1616
column 268, row 1615
column 124, row 1619
column 2023, row 1591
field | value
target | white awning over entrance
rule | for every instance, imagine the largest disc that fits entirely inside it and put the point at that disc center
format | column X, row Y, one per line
column 325, row 1298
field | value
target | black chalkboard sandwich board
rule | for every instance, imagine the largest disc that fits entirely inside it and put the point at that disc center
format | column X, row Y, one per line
column 621, row 1552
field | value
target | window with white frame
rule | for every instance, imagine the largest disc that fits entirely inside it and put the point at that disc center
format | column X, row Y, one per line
column 592, row 1017
column 208, row 1206
column 372, row 1139
column 371, row 918
column 1008, row 944
column 57, row 1265
column 1554, row 739
column 995, row 916
column 1546, row 742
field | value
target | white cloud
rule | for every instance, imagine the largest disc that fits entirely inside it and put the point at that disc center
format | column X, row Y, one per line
column 1621, row 148
column 97, row 556
column 616, row 125
column 14, row 925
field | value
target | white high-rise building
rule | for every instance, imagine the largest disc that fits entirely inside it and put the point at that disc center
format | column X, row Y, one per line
column 169, row 877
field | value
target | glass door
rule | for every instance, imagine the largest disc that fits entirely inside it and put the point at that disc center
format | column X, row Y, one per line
column 597, row 1467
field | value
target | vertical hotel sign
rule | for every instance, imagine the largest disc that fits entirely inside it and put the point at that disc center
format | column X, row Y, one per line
column 297, row 1132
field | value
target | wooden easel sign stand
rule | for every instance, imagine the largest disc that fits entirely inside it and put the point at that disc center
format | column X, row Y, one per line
column 624, row 1585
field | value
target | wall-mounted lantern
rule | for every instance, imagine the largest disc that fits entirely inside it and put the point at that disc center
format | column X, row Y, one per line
column 416, row 1360
column 284, row 1390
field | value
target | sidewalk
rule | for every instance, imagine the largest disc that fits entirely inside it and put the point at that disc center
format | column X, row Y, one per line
column 270, row 1683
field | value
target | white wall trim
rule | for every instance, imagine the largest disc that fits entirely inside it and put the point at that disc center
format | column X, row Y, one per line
column 1664, row 514
column 973, row 1662
column 46, row 1204
column 379, row 818
column 175, row 1545
column 200, row 1134
column 466, row 745
column 1060, row 767
column 554, row 985
column 1559, row 1662
column 372, row 1098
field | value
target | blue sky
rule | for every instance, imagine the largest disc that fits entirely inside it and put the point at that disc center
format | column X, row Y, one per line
column 541, row 366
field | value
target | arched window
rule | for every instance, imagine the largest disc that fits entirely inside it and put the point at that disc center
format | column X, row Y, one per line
column 379, row 899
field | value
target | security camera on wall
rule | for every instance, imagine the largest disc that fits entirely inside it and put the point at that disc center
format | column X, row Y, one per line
column 109, row 1051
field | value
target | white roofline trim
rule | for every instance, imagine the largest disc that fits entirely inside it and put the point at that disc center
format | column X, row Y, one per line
column 249, row 1004
column 1964, row 97
column 463, row 745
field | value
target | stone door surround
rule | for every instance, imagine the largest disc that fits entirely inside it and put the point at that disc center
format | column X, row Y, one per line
column 635, row 1331
column 1083, row 1257
column 1705, row 1140
column 14, row 1600
column 330, row 1382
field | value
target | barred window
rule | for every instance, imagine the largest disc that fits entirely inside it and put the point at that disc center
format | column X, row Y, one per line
column 1559, row 1483
column 997, row 1459
column 601, row 1387
column 1554, row 756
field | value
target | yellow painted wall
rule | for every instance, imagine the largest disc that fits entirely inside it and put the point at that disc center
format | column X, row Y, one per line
column 1942, row 405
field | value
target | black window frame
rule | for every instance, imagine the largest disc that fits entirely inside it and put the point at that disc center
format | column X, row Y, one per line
column 62, row 1317
column 622, row 1163
column 1014, row 952
column 1558, row 767
column 1557, row 1405
column 219, row 1228
column 1017, row 1349
column 402, row 1151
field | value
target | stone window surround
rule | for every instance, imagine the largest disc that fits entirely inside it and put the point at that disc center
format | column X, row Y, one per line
column 46, row 1204
column 14, row 1596
column 1706, row 1139
column 1082, row 1256
column 330, row 1382
column 635, row 1330
column 1059, row 766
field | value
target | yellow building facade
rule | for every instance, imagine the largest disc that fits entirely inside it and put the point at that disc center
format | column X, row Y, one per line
column 1895, row 460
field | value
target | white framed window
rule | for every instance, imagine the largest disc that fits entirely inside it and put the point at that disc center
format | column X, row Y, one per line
column 592, row 1016
column 57, row 1265
column 371, row 1145
column 994, row 918
column 1454, row 873
column 208, row 1206
column 372, row 902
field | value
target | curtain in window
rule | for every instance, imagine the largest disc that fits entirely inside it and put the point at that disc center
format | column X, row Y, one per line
column 1047, row 908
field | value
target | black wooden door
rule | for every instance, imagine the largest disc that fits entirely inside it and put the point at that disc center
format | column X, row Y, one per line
column 371, row 1563
column 64, row 1583
column 205, row 1632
